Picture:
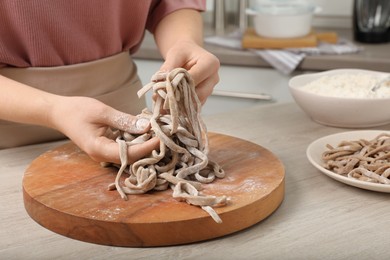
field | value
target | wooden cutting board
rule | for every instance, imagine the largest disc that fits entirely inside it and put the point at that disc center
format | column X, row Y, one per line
column 66, row 192
column 251, row 40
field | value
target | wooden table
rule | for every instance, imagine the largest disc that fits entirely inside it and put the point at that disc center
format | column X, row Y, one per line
column 319, row 218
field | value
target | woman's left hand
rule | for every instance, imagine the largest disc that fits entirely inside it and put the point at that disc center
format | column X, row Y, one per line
column 179, row 37
column 201, row 64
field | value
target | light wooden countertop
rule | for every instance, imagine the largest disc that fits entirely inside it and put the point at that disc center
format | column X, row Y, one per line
column 319, row 218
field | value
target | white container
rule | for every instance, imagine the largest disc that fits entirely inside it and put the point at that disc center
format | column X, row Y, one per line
column 346, row 112
column 282, row 18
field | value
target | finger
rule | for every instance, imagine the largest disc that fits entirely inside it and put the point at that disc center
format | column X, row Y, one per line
column 108, row 150
column 205, row 89
column 136, row 152
column 172, row 62
column 127, row 122
column 205, row 67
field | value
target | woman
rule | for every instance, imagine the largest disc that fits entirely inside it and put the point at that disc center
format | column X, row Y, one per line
column 65, row 68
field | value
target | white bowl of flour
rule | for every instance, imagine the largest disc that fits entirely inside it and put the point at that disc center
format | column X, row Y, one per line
column 343, row 97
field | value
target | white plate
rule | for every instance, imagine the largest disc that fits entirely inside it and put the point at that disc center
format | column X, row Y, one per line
column 315, row 149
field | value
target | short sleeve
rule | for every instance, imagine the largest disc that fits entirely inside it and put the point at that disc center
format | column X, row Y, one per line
column 160, row 9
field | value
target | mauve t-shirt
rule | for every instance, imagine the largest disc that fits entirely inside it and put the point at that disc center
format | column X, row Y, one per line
column 47, row 33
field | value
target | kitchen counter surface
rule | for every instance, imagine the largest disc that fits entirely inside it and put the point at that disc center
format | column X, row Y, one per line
column 373, row 57
column 319, row 218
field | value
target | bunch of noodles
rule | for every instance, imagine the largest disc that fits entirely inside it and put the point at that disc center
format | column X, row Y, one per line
column 361, row 159
column 182, row 161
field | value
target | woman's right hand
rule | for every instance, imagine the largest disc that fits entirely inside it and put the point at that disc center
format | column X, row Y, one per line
column 85, row 121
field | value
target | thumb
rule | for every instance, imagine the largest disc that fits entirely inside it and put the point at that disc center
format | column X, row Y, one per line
column 128, row 123
column 172, row 62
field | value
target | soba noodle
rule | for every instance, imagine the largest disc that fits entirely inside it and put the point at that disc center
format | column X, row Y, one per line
column 182, row 162
column 361, row 159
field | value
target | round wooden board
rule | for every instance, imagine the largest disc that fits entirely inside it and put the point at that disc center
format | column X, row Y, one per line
column 66, row 192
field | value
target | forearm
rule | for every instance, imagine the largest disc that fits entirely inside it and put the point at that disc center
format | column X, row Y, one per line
column 181, row 25
column 24, row 104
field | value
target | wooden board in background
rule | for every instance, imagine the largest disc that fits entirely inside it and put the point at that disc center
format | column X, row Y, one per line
column 66, row 192
column 251, row 40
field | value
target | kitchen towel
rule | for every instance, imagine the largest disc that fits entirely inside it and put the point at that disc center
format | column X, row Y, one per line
column 285, row 60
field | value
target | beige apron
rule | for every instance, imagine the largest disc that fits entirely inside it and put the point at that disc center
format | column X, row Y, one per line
column 112, row 80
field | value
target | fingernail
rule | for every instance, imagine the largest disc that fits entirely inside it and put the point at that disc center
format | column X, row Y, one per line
column 142, row 123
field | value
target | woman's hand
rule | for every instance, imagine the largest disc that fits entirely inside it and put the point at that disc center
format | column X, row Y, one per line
column 86, row 120
column 201, row 64
column 179, row 37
